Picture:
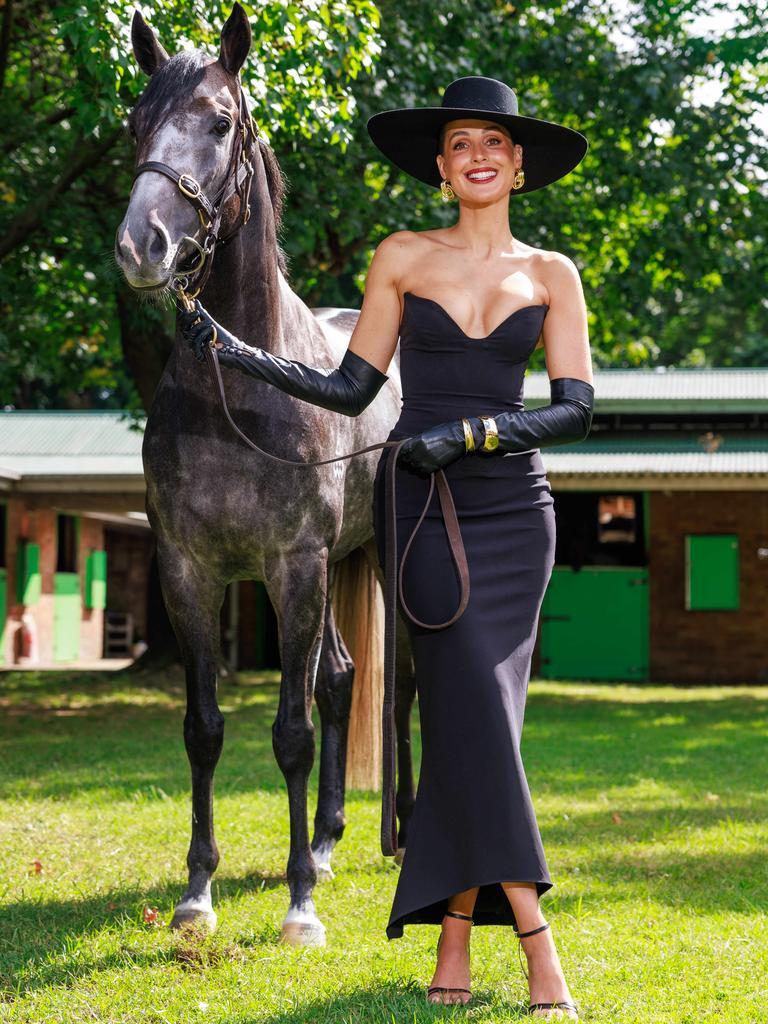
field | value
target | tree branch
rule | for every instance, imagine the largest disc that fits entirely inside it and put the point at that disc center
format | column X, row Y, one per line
column 82, row 157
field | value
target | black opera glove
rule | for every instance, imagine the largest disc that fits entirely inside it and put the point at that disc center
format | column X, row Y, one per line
column 567, row 418
column 348, row 388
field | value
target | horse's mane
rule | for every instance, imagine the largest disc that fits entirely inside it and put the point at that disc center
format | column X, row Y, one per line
column 171, row 83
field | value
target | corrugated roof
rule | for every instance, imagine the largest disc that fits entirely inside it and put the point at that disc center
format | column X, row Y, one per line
column 64, row 433
column 666, row 388
column 47, row 445
column 652, row 463
column 661, row 455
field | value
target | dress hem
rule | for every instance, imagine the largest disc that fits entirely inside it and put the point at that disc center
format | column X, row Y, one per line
column 394, row 929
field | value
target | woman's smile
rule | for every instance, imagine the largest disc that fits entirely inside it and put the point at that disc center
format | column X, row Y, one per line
column 480, row 175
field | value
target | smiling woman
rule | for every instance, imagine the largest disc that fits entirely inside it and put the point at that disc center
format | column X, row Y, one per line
column 467, row 305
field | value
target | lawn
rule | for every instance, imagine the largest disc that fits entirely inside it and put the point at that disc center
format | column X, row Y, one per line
column 652, row 804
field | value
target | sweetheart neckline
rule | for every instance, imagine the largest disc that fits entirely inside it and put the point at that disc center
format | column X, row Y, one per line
column 469, row 337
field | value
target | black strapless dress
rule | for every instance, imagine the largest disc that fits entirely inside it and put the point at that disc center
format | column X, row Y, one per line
column 473, row 822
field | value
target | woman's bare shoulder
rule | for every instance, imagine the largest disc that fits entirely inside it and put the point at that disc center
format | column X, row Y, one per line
column 404, row 242
column 396, row 254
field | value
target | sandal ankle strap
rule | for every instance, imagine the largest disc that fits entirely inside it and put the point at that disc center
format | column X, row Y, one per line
column 462, row 917
column 533, row 931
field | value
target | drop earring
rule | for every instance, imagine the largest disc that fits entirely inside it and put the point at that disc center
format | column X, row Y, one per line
column 446, row 191
column 519, row 179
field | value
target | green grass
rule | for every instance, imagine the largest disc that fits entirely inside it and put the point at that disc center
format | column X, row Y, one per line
column 651, row 801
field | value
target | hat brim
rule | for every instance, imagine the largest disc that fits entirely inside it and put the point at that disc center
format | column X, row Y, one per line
column 409, row 138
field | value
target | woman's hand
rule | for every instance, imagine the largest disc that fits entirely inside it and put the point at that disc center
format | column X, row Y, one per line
column 199, row 329
column 435, row 448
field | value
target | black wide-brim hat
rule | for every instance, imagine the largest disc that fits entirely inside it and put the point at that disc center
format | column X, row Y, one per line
column 409, row 136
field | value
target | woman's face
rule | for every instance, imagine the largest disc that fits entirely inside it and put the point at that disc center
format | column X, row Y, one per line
column 479, row 159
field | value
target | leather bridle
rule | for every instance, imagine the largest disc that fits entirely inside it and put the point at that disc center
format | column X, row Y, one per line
column 190, row 282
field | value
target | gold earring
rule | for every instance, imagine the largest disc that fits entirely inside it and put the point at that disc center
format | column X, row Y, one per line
column 519, row 179
column 446, row 191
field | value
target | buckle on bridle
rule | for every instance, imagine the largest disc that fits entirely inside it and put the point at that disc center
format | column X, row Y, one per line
column 189, row 186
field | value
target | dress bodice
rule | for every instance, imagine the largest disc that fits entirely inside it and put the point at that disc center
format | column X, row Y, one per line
column 447, row 374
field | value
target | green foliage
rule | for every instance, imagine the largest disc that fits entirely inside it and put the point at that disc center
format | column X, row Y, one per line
column 69, row 77
column 665, row 217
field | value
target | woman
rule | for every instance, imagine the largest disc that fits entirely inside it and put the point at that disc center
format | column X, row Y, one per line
column 468, row 304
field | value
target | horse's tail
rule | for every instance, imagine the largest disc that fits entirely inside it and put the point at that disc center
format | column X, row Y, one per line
column 358, row 607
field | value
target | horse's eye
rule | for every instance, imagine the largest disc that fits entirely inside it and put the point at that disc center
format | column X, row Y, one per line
column 222, row 126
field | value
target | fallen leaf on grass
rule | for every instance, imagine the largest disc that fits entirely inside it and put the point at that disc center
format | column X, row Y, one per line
column 37, row 867
column 151, row 916
column 113, row 906
column 616, row 818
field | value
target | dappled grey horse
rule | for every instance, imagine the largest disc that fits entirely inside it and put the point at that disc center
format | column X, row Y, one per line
column 219, row 512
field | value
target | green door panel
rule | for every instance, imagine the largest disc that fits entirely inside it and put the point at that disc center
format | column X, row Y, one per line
column 96, row 580
column 66, row 616
column 28, row 578
column 594, row 624
column 712, row 571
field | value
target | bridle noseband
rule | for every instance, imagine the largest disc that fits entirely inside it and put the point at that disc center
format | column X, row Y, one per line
column 189, row 283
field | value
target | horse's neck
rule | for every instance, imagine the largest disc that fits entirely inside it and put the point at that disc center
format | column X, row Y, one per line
column 243, row 292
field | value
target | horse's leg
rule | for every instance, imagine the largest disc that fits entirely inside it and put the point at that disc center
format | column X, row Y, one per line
column 298, row 593
column 333, row 696
column 405, row 693
column 193, row 600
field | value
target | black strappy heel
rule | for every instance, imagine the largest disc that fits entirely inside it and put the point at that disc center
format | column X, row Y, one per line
column 438, row 988
column 563, row 1004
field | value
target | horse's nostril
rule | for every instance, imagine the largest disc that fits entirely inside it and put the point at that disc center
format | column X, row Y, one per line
column 158, row 246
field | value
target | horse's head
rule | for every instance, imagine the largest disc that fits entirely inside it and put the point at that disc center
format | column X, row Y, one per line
column 193, row 138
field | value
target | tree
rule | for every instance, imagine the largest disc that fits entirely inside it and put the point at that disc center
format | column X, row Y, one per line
column 67, row 79
column 665, row 216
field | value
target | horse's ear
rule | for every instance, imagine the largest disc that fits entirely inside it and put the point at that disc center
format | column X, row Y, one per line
column 235, row 41
column 149, row 54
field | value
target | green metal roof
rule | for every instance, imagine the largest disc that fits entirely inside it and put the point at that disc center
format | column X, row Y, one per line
column 70, row 446
column 101, row 450
column 667, row 389
column 662, row 456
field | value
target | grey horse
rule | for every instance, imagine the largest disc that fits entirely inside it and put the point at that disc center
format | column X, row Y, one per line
column 221, row 513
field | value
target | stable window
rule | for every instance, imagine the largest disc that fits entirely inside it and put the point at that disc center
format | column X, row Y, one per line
column 712, row 572
column 66, row 544
column 616, row 519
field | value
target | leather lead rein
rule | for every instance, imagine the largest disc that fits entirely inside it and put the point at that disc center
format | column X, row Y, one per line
column 393, row 586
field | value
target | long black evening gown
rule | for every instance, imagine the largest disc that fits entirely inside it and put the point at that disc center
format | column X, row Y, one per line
column 473, row 822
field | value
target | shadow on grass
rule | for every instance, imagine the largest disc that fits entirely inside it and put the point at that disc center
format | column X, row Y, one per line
column 57, row 741
column 34, row 933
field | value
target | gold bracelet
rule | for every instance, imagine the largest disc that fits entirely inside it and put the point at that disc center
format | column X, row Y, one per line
column 491, row 434
column 469, row 439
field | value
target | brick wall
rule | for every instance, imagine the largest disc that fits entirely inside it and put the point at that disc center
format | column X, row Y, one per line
column 30, row 521
column 708, row 646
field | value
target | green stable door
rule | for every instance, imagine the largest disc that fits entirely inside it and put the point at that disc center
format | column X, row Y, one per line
column 594, row 624
column 66, row 616
column 67, row 601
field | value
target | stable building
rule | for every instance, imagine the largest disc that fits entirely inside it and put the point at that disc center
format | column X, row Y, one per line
column 662, row 537
column 662, row 530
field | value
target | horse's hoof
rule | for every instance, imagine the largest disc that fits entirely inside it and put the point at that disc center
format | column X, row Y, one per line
column 194, row 917
column 398, row 858
column 302, row 929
